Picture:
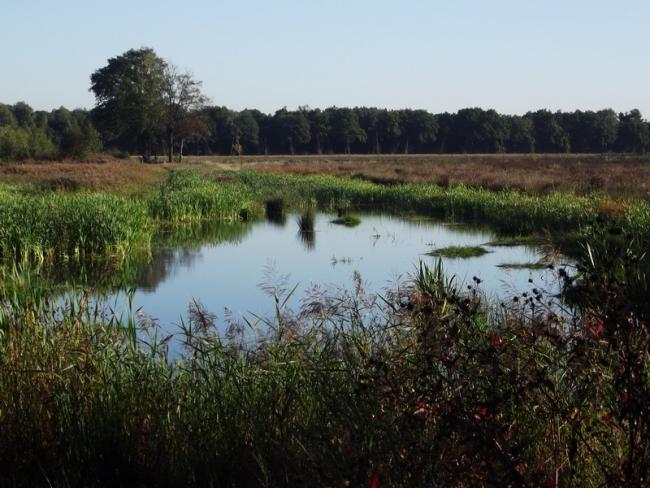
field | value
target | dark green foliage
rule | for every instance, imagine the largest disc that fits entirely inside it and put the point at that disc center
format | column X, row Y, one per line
column 363, row 130
column 129, row 95
column 633, row 132
column 344, row 129
column 290, row 130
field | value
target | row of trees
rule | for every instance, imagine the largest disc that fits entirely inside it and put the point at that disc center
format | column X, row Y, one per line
column 145, row 105
column 372, row 131
column 25, row 133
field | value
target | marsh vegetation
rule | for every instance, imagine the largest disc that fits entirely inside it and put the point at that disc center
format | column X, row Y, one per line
column 428, row 381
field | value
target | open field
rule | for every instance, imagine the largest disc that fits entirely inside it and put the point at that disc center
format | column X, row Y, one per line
column 616, row 175
column 619, row 176
column 98, row 174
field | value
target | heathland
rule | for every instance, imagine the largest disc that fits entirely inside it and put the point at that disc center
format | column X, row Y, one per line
column 429, row 384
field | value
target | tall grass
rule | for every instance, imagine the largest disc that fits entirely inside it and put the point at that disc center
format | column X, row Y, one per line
column 71, row 224
column 186, row 196
column 47, row 223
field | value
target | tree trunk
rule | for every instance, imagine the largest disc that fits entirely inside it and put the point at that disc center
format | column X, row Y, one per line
column 406, row 146
column 180, row 151
column 170, row 155
column 291, row 149
column 377, row 149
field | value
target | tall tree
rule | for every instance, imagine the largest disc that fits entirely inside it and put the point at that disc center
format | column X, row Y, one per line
column 419, row 129
column 129, row 99
column 182, row 99
column 318, row 127
column 550, row 136
column 633, row 133
column 291, row 128
column 344, row 128
column 520, row 135
column 247, row 131
column 7, row 117
column 389, row 129
column 24, row 115
column 264, row 124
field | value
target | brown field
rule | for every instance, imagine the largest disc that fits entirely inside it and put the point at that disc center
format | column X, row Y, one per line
column 101, row 173
column 620, row 176
column 616, row 175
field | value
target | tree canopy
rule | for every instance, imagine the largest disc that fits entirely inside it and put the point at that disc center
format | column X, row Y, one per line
column 145, row 105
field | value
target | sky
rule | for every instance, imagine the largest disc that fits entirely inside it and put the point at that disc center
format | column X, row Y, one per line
column 510, row 55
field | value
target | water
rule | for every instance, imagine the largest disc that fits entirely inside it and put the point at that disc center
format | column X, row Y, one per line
column 223, row 266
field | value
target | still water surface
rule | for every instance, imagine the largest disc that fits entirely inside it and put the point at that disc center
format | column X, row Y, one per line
column 223, row 266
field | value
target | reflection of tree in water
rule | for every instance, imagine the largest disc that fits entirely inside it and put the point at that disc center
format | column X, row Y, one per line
column 164, row 263
column 171, row 248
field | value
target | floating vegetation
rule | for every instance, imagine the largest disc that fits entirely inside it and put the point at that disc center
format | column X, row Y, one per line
column 348, row 221
column 459, row 252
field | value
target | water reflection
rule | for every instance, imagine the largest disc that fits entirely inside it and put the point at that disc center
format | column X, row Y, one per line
column 275, row 212
column 221, row 265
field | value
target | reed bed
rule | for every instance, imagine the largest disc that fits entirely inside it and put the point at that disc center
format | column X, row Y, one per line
column 45, row 223
column 509, row 211
column 186, row 196
column 71, row 224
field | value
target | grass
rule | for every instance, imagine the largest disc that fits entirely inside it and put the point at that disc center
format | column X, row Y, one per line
column 459, row 252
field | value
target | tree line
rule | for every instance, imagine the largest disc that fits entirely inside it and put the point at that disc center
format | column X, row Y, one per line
column 61, row 133
column 146, row 106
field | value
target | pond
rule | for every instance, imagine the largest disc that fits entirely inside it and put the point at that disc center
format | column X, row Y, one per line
column 225, row 267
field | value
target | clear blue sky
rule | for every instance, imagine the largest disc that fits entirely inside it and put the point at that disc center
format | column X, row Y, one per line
column 511, row 55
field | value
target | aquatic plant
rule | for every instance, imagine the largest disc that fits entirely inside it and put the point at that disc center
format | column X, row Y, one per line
column 459, row 252
column 347, row 221
column 70, row 224
column 307, row 220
